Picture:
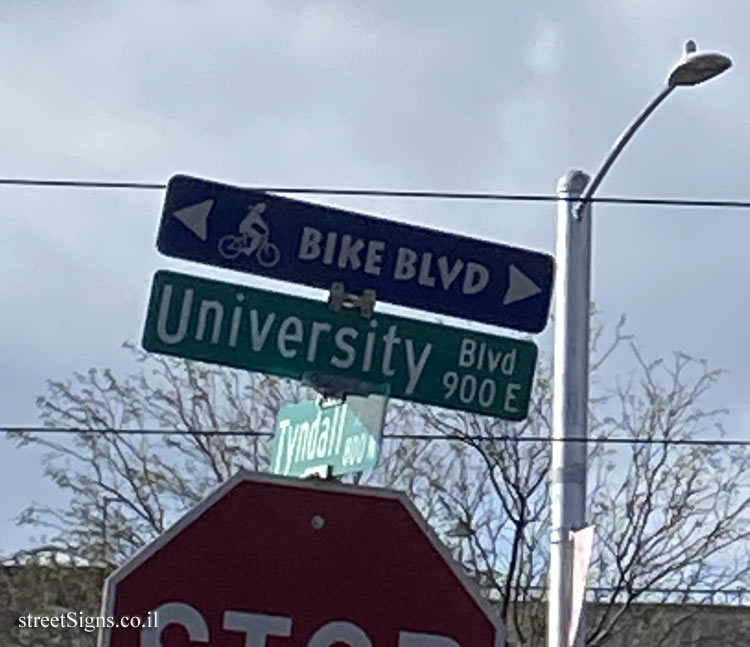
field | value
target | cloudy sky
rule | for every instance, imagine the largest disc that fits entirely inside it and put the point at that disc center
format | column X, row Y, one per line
column 435, row 95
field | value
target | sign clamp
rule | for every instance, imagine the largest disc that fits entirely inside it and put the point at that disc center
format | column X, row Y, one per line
column 339, row 298
column 333, row 389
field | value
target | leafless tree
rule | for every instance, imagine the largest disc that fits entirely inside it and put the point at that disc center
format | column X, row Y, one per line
column 671, row 518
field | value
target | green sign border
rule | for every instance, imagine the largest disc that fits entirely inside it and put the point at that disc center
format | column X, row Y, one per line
column 289, row 336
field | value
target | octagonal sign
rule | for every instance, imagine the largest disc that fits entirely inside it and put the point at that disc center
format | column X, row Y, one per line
column 274, row 562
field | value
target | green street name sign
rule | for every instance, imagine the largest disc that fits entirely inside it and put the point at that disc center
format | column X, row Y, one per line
column 290, row 336
column 309, row 438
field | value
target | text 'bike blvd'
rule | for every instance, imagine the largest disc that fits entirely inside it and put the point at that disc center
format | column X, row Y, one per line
column 259, row 233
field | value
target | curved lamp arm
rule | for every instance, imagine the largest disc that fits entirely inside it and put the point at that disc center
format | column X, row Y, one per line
column 621, row 142
column 693, row 69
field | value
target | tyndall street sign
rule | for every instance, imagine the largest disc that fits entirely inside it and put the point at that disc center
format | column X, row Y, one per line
column 312, row 437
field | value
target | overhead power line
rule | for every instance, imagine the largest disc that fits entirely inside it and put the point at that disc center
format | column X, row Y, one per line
column 715, row 442
column 80, row 184
column 390, row 193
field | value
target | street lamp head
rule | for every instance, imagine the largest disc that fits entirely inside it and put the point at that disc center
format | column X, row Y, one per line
column 697, row 67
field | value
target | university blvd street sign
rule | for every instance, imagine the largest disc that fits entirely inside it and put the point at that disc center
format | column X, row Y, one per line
column 255, row 232
column 290, row 336
column 268, row 561
column 310, row 438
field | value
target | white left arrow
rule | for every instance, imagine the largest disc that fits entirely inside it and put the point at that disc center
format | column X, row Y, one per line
column 195, row 217
column 520, row 286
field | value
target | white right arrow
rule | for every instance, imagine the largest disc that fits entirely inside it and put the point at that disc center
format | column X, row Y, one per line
column 195, row 217
column 520, row 287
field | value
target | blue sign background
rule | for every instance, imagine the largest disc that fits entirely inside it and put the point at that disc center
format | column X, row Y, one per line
column 438, row 271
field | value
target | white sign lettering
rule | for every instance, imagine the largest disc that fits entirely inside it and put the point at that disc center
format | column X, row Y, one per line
column 349, row 253
column 257, row 627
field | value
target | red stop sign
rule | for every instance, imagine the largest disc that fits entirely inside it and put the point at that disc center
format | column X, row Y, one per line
column 268, row 561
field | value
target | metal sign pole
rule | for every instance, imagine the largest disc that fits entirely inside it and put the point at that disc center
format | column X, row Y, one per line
column 570, row 398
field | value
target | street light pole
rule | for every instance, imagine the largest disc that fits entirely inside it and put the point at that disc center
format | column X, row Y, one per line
column 571, row 353
column 570, row 397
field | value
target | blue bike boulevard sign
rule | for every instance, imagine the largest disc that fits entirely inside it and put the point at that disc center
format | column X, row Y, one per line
column 259, row 233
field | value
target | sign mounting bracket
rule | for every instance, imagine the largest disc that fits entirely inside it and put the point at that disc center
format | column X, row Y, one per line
column 339, row 298
column 337, row 387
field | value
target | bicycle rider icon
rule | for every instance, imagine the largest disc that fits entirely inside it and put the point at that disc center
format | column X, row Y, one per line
column 252, row 239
